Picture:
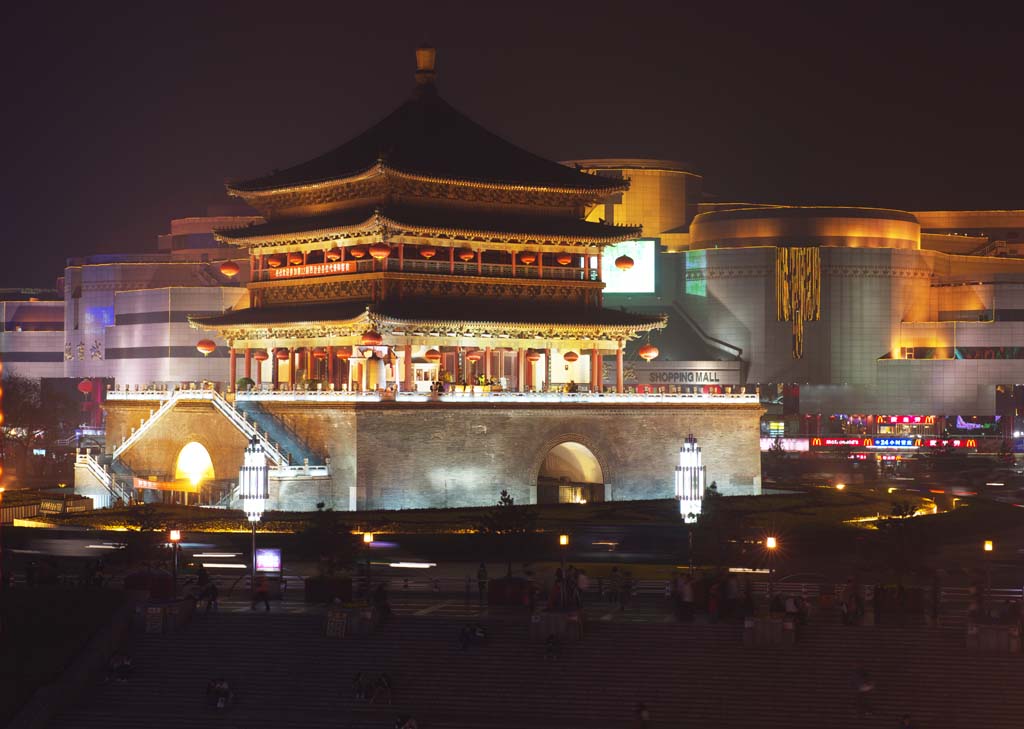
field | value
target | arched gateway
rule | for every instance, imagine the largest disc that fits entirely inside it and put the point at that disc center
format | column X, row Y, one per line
column 570, row 473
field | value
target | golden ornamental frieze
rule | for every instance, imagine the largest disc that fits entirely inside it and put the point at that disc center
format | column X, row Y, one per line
column 455, row 188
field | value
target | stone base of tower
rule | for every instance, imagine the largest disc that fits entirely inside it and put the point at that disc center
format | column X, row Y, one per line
column 395, row 455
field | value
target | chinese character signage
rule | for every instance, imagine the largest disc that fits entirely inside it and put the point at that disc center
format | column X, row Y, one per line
column 314, row 269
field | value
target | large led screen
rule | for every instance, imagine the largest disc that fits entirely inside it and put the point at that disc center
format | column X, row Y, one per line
column 637, row 280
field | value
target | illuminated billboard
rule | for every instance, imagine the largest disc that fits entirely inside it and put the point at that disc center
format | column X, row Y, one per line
column 637, row 280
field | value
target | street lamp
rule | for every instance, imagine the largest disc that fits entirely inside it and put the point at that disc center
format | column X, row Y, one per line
column 174, row 537
column 563, row 542
column 771, row 544
column 253, row 485
column 368, row 541
column 3, row 575
column 988, row 547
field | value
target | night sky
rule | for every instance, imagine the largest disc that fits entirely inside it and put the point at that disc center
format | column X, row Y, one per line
column 119, row 117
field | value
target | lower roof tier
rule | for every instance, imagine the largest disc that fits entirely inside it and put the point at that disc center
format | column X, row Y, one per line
column 408, row 320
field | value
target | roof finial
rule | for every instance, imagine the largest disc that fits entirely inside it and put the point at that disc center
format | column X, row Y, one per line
column 425, row 58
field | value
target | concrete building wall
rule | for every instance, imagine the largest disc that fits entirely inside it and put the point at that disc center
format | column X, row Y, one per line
column 152, row 342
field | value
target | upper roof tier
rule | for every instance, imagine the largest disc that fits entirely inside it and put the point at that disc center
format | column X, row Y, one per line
column 427, row 137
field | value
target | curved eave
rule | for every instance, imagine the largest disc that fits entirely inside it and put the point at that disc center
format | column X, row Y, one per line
column 249, row 190
column 388, row 325
column 396, row 227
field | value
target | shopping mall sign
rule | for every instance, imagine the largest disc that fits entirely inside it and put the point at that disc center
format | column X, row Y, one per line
column 686, row 373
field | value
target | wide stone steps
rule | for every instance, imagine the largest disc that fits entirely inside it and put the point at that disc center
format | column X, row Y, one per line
column 286, row 673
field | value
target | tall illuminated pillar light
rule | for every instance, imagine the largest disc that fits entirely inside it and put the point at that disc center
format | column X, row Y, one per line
column 690, row 478
column 253, row 486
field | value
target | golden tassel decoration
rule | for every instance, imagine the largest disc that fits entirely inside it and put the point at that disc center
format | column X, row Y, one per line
column 798, row 290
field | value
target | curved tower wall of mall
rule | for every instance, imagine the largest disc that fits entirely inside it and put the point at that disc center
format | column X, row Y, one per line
column 873, row 277
column 663, row 196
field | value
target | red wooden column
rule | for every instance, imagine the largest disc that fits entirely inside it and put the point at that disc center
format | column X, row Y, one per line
column 331, row 380
column 275, row 371
column 487, row 363
column 595, row 360
column 232, row 369
column 513, row 264
column 520, row 370
column 479, row 261
column 547, row 369
column 451, row 259
column 248, row 362
column 540, row 264
column 407, row 384
column 293, row 365
column 259, row 374
column 401, row 256
column 618, row 368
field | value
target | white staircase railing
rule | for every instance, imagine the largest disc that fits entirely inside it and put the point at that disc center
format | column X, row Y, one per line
column 223, row 406
column 248, row 429
column 137, row 433
column 104, row 476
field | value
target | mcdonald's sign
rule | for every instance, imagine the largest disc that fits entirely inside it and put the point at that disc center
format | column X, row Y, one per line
column 835, row 442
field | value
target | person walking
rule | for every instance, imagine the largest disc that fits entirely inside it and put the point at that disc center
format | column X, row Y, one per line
column 261, row 593
column 481, row 582
column 863, row 687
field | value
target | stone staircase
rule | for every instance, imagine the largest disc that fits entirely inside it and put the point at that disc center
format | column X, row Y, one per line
column 278, row 431
column 287, row 674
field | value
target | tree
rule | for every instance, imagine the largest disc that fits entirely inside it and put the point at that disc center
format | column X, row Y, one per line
column 329, row 538
column 507, row 526
column 30, row 419
column 900, row 539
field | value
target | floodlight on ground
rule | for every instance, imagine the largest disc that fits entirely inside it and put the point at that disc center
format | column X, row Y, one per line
column 563, row 540
column 367, row 537
column 840, row 486
column 175, row 535
column 989, row 546
column 771, row 543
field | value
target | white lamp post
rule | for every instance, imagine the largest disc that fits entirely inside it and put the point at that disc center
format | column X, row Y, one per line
column 253, row 485
column 690, row 478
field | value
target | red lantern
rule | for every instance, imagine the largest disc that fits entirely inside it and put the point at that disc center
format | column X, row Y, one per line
column 85, row 387
column 380, row 251
column 623, row 263
column 343, row 352
column 332, row 255
column 319, row 353
column 281, row 354
column 260, row 355
column 229, row 269
column 432, row 355
column 206, row 346
column 527, row 257
column 294, row 258
column 475, row 356
column 357, row 252
column 564, row 259
column 466, row 255
column 532, row 356
column 428, row 252
column 648, row 352
column 371, row 338
column 274, row 261
column 570, row 356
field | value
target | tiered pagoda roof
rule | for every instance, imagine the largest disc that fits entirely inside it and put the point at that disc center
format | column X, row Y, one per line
column 516, row 319
column 429, row 140
column 441, row 222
